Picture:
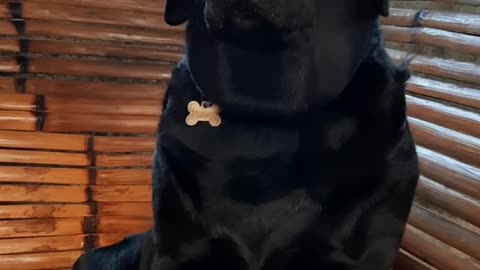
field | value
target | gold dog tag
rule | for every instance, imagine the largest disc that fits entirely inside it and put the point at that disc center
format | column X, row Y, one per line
column 202, row 113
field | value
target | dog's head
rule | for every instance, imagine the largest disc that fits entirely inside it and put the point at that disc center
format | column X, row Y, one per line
column 338, row 33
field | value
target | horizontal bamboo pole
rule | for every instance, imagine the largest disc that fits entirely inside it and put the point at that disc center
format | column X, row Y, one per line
column 60, row 66
column 128, row 209
column 41, row 244
column 16, row 102
column 42, row 140
column 43, row 210
column 158, row 52
column 61, row 12
column 8, row 64
column 108, row 239
column 446, row 141
column 123, row 225
column 40, row 227
column 40, row 157
column 445, row 20
column 7, row 85
column 456, row 203
column 406, row 261
column 444, row 115
column 35, row 261
column 94, row 106
column 433, row 37
column 445, row 231
column 102, row 32
column 450, row 69
column 124, row 177
column 136, row 5
column 462, row 2
column 7, row 28
column 43, row 175
column 17, row 120
column 100, row 123
column 9, row 45
column 124, row 193
column 123, row 160
column 43, row 193
column 123, row 144
column 95, row 90
column 445, row 91
column 449, row 172
column 441, row 257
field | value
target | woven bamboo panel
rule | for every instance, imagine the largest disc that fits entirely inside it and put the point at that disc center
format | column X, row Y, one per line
column 81, row 88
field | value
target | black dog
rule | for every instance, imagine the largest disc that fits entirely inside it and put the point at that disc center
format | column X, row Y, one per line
column 313, row 165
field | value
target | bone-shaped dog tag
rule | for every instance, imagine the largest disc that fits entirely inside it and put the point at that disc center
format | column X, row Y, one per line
column 202, row 113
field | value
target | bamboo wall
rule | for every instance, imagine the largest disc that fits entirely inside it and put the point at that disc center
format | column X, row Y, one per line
column 81, row 85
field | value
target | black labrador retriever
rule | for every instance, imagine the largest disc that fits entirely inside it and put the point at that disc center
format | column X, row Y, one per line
column 310, row 163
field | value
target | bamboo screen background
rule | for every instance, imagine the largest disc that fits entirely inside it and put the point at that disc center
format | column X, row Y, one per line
column 81, row 85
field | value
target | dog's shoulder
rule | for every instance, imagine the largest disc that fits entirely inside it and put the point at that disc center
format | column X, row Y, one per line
column 125, row 255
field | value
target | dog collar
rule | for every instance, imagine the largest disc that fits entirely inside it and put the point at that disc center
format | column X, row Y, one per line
column 203, row 111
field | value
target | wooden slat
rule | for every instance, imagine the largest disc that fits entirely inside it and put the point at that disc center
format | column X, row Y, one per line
column 41, row 244
column 43, row 175
column 456, row 203
column 95, row 90
column 123, row 225
column 124, row 177
column 15, row 211
column 449, row 172
column 7, row 85
column 50, row 11
column 101, row 32
column 443, row 115
column 450, row 69
column 41, row 140
column 40, row 227
column 132, row 209
column 39, row 260
column 17, row 102
column 123, row 160
column 157, row 52
column 102, row 69
column 100, row 123
column 62, row 105
column 406, row 261
column 38, row 157
column 433, row 37
column 420, row 246
column 17, row 120
column 446, row 141
column 123, row 144
column 445, row 91
column 124, row 193
column 43, row 193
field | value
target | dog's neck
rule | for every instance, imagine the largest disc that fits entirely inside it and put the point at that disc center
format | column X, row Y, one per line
column 274, row 82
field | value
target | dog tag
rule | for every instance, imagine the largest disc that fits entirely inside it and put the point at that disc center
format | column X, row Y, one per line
column 203, row 113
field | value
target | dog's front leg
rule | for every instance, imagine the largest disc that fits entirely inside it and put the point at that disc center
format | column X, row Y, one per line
column 125, row 255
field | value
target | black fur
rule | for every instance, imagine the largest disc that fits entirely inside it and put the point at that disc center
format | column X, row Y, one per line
column 313, row 166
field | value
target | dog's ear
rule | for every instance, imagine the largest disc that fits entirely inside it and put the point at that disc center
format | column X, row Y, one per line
column 178, row 11
column 383, row 7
